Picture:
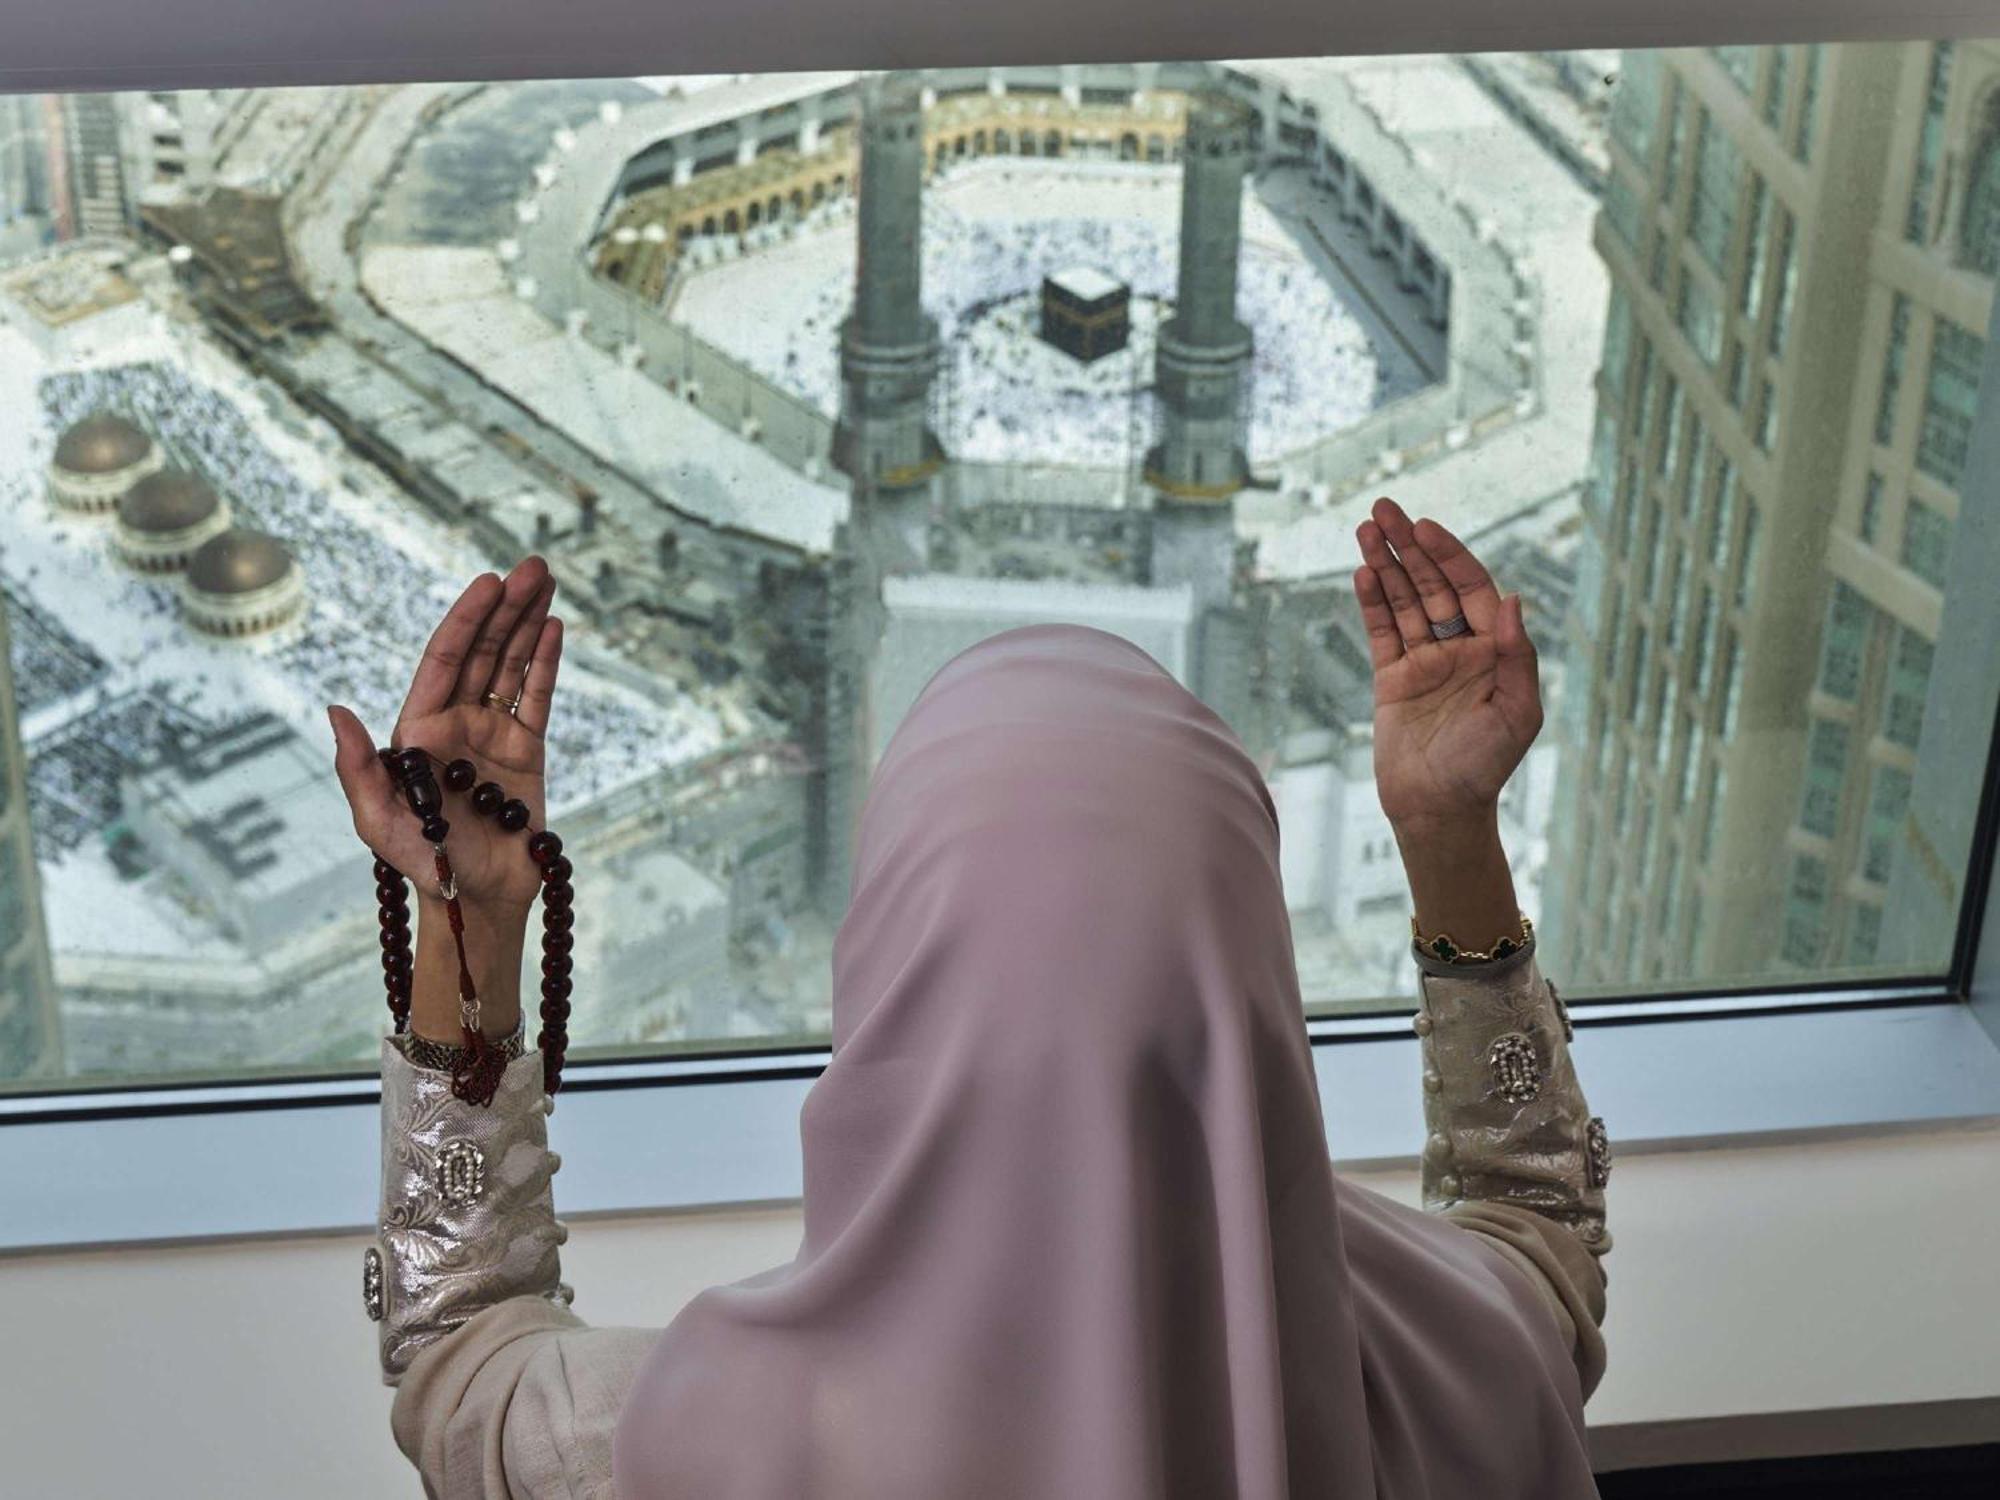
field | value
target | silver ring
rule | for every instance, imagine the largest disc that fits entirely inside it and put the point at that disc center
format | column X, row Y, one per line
column 1444, row 630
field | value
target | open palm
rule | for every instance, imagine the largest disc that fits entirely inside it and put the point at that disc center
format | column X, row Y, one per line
column 1453, row 718
column 498, row 638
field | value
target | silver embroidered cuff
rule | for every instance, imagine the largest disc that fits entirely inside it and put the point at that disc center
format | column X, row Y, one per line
column 1505, row 1116
column 467, row 1216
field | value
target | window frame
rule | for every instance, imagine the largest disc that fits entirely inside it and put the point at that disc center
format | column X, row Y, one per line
column 195, row 1161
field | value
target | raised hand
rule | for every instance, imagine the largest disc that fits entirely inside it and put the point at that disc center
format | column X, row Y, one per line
column 499, row 638
column 1453, row 718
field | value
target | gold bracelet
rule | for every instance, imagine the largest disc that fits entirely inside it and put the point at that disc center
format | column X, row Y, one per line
column 1443, row 947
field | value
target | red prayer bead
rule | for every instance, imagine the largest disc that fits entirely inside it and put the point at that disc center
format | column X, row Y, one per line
column 460, row 775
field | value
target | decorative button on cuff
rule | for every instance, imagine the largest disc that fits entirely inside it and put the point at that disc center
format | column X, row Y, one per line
column 1448, row 1185
column 372, row 1297
column 1597, row 1153
column 1517, row 1072
column 1421, row 1025
column 461, row 1171
column 1433, row 1081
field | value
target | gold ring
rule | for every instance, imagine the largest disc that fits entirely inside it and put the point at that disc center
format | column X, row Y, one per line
column 494, row 700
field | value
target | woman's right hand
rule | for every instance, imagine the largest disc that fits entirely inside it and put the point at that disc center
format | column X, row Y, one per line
column 499, row 637
column 1453, row 718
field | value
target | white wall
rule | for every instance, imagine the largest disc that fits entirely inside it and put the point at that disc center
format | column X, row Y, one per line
column 1781, row 1279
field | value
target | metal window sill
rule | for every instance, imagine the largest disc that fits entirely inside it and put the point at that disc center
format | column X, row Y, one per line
column 167, row 1166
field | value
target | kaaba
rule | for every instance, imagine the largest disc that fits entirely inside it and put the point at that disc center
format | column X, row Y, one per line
column 1086, row 313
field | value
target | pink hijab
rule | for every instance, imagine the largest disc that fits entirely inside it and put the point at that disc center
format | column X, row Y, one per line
column 1071, row 1228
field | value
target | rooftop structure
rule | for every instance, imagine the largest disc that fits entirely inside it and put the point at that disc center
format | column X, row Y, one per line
column 241, row 582
column 97, row 460
column 165, row 517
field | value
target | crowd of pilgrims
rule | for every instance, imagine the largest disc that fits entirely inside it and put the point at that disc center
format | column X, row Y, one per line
column 370, row 608
column 1313, row 368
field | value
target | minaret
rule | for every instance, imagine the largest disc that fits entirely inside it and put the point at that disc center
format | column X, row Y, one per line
column 30, row 1032
column 888, row 344
column 884, row 442
column 1197, row 463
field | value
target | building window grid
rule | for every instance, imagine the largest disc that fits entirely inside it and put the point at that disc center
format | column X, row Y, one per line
column 1766, row 421
column 1635, row 108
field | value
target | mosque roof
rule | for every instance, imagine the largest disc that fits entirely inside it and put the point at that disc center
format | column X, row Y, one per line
column 102, row 443
column 167, row 501
column 238, row 561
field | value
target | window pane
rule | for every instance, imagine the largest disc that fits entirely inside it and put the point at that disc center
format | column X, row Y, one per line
column 1950, row 399
column 1930, row 142
column 1926, row 541
column 1849, row 619
column 1892, row 369
column 603, row 320
column 1712, row 211
column 1700, row 319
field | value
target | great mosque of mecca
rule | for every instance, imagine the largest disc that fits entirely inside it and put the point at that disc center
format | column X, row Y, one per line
column 804, row 383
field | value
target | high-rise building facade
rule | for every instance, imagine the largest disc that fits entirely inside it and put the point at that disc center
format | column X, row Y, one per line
column 30, row 1035
column 1801, row 243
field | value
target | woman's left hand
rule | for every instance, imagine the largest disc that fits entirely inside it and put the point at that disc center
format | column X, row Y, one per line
column 1453, row 718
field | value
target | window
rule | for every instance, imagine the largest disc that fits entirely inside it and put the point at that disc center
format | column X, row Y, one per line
column 1871, row 508
column 1718, row 168
column 1635, row 106
column 1740, row 63
column 1926, row 542
column 1746, row 556
column 1670, row 169
column 1617, row 346
column 1808, row 100
column 605, row 277
column 1766, row 420
column 1670, row 426
column 1892, row 369
column 1749, row 299
column 1909, row 680
column 1692, row 470
column 1849, row 617
column 1979, row 221
column 1930, row 142
column 1732, row 688
column 1723, row 519
column 1621, row 207
column 1704, row 643
column 1950, row 398
column 1826, row 768
column 1774, row 89
column 1699, row 319
column 1788, row 275
column 1887, row 803
column 1805, row 910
